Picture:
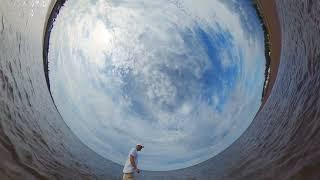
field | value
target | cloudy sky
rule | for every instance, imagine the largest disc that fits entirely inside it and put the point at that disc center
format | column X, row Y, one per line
column 183, row 77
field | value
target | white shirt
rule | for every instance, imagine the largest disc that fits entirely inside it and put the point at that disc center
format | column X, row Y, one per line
column 128, row 168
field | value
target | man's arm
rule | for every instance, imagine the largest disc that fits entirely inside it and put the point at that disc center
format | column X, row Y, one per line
column 133, row 163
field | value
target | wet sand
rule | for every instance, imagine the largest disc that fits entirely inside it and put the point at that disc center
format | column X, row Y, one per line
column 268, row 11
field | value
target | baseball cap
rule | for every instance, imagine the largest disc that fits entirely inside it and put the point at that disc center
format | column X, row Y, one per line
column 140, row 145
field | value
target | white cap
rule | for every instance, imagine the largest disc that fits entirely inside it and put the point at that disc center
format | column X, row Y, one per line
column 140, row 145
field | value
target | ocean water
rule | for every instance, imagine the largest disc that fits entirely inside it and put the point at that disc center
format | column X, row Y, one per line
column 283, row 142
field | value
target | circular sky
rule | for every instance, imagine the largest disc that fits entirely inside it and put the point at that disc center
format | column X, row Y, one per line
column 182, row 77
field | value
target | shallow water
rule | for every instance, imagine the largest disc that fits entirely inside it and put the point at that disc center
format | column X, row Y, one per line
column 283, row 142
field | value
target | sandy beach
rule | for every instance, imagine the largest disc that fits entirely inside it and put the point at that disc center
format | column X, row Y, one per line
column 268, row 10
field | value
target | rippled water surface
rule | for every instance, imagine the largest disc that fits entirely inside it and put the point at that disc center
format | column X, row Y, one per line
column 283, row 142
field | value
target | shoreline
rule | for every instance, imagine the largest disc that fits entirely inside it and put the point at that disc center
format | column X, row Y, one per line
column 271, row 26
column 53, row 11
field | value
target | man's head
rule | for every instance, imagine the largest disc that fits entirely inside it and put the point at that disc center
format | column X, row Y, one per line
column 139, row 147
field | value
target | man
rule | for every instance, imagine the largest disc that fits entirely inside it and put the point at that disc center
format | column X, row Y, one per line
column 131, row 165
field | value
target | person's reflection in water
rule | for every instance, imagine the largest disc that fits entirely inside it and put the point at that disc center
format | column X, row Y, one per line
column 131, row 164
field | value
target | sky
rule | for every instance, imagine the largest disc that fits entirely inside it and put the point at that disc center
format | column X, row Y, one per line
column 182, row 77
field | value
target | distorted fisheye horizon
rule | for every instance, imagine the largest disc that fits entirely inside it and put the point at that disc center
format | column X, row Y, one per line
column 182, row 77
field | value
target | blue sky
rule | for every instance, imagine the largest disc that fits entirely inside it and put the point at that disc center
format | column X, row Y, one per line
column 184, row 78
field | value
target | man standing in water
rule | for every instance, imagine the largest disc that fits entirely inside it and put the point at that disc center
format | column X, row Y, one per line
column 131, row 165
